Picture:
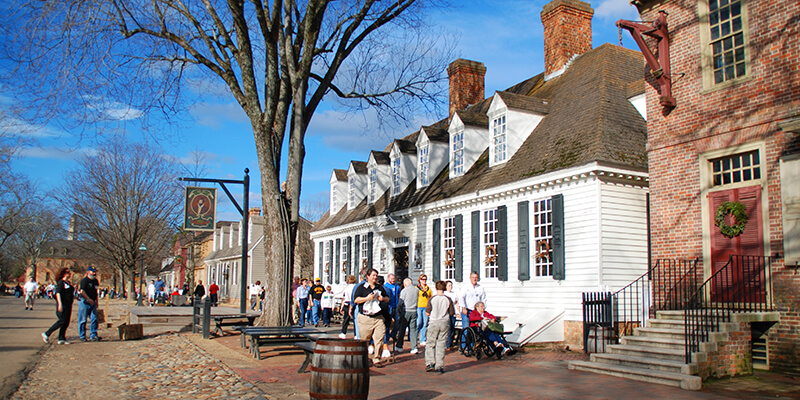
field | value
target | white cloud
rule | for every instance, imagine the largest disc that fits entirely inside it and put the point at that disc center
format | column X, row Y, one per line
column 58, row 153
column 214, row 115
column 10, row 126
column 616, row 9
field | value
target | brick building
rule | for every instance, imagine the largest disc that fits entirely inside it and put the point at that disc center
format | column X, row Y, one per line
column 733, row 136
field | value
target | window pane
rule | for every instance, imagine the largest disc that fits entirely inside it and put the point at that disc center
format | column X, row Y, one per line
column 756, row 173
column 726, row 28
column 715, row 33
column 718, row 76
column 736, row 9
column 755, row 158
column 738, row 39
column 717, row 180
column 724, row 13
column 747, row 175
column 737, row 162
column 729, row 73
column 737, row 24
column 717, row 165
column 737, row 176
column 740, row 69
column 727, row 43
column 726, row 164
column 713, row 5
column 714, row 18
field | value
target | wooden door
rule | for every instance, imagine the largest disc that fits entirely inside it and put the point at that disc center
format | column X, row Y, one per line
column 749, row 243
column 400, row 264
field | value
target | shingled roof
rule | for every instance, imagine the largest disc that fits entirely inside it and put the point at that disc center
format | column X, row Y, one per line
column 359, row 166
column 588, row 119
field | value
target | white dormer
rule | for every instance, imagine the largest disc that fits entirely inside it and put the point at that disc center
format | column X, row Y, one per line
column 512, row 118
column 404, row 165
column 379, row 174
column 432, row 144
column 356, row 183
column 640, row 103
column 233, row 230
column 469, row 137
column 338, row 190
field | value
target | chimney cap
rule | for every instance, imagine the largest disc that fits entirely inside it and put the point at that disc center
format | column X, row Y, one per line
column 576, row 4
column 467, row 64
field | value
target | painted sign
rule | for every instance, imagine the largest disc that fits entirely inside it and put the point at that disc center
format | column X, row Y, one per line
column 200, row 209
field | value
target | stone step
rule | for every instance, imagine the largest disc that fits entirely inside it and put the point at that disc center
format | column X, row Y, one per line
column 662, row 353
column 683, row 381
column 669, row 333
column 678, row 367
column 658, row 342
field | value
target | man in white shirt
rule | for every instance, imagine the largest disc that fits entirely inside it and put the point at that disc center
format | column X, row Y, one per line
column 30, row 289
column 470, row 295
column 255, row 293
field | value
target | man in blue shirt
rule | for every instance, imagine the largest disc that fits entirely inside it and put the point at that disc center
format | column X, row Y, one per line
column 393, row 290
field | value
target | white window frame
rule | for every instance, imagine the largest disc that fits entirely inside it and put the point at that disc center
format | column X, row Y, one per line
column 489, row 237
column 364, row 252
column 373, row 184
column 424, row 161
column 737, row 168
column 334, row 206
column 458, row 153
column 343, row 259
column 707, row 46
column 395, row 176
column 542, row 237
column 449, row 245
column 326, row 261
column 499, row 138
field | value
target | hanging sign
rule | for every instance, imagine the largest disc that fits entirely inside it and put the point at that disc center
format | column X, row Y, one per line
column 200, row 209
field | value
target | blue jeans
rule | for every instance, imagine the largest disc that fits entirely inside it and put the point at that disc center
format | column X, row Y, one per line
column 315, row 311
column 422, row 324
column 83, row 309
column 326, row 316
column 303, row 310
column 450, row 334
column 464, row 326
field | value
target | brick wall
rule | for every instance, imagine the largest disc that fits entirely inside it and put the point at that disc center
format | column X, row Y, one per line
column 719, row 119
column 567, row 32
column 573, row 334
column 732, row 355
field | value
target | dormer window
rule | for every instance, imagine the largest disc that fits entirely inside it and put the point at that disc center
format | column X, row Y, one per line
column 499, row 142
column 395, row 176
column 458, row 153
column 351, row 185
column 373, row 184
column 423, row 165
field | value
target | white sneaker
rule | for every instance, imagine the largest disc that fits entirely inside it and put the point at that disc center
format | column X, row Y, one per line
column 386, row 354
column 506, row 350
column 413, row 351
column 398, row 349
column 369, row 349
column 342, row 336
column 45, row 338
column 63, row 342
column 422, row 343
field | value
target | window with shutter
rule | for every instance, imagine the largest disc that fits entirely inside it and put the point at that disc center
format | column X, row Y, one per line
column 337, row 266
column 557, row 251
column 476, row 242
column 449, row 241
column 523, row 272
column 437, row 266
column 459, row 248
column 490, row 243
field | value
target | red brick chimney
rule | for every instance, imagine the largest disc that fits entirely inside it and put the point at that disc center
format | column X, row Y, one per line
column 466, row 83
column 567, row 32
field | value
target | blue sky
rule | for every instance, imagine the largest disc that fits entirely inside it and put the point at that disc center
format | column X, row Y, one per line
column 506, row 35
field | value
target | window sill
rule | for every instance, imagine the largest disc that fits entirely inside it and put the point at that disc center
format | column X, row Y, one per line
column 726, row 85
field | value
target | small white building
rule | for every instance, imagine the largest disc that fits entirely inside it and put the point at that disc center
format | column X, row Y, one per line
column 541, row 188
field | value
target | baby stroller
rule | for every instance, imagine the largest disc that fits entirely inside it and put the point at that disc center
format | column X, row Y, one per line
column 475, row 343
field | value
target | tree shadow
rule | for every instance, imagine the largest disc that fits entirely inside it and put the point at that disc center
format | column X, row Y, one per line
column 413, row 394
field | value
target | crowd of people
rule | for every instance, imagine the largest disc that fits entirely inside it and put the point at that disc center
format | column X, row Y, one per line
column 384, row 312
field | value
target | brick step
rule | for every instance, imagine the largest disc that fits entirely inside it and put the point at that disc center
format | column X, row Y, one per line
column 658, row 342
column 678, row 367
column 683, row 381
column 680, row 314
column 646, row 351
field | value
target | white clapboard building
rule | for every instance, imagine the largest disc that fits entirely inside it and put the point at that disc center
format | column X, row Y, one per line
column 541, row 188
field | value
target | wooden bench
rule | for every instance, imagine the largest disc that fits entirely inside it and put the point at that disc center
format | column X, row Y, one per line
column 264, row 336
column 224, row 320
column 308, row 349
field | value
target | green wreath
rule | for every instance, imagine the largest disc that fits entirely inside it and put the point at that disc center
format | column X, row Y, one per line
column 739, row 215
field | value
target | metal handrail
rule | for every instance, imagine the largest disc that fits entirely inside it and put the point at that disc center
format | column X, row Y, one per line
column 744, row 284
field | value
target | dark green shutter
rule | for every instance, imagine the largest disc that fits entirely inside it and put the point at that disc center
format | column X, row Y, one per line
column 357, row 259
column 349, row 256
column 331, row 267
column 321, row 260
column 524, row 273
column 437, row 239
column 458, row 261
column 502, row 243
column 558, row 237
column 476, row 242
column 369, row 249
column 338, row 265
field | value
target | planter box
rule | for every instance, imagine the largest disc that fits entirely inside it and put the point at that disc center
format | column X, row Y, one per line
column 131, row 332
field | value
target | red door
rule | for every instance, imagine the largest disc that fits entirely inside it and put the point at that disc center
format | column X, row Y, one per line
column 749, row 243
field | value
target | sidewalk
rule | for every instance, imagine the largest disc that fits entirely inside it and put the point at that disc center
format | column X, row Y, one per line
column 185, row 366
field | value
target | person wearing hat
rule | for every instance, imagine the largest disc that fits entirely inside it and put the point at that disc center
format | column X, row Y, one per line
column 87, row 305
column 316, row 292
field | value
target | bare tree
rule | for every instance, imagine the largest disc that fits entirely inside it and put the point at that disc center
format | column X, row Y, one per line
column 124, row 196
column 277, row 60
column 42, row 225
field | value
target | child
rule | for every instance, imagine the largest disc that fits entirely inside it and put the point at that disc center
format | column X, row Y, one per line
column 327, row 306
column 439, row 309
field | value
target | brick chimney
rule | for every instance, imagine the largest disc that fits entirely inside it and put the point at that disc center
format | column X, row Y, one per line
column 254, row 212
column 567, row 32
column 466, row 83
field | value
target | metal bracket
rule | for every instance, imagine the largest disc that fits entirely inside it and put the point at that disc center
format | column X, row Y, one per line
column 659, row 67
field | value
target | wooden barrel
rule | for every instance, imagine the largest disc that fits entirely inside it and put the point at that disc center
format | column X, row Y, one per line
column 339, row 370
